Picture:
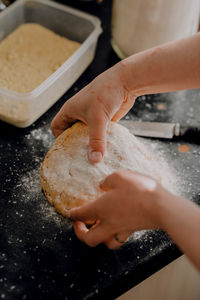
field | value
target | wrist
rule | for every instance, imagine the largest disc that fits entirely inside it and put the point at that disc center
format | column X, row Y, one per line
column 134, row 78
column 166, row 206
column 158, row 206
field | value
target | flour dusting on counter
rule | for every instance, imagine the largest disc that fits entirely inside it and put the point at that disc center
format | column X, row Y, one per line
column 27, row 186
column 45, row 136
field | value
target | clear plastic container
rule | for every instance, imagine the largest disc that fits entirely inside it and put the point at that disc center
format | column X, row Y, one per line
column 22, row 109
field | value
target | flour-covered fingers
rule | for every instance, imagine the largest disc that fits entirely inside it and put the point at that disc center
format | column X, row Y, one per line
column 97, row 124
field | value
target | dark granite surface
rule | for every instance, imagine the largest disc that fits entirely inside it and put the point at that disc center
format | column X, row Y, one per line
column 40, row 256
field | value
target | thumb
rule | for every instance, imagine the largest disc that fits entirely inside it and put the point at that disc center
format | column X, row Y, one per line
column 97, row 136
column 84, row 213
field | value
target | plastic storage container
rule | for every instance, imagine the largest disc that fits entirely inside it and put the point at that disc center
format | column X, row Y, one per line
column 22, row 109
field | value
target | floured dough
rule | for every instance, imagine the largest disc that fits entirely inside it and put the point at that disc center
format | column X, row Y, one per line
column 30, row 54
column 69, row 179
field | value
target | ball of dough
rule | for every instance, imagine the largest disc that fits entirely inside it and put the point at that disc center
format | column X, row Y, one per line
column 70, row 180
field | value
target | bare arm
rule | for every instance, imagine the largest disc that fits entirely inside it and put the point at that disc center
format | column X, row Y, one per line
column 169, row 67
column 180, row 218
column 109, row 96
column 166, row 68
column 134, row 202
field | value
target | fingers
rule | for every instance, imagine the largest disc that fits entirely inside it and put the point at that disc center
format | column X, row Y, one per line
column 61, row 122
column 118, row 240
column 97, row 135
column 120, row 114
column 99, row 234
column 66, row 116
column 124, row 108
column 97, row 121
column 113, row 181
column 93, row 236
column 117, row 179
column 84, row 213
column 142, row 182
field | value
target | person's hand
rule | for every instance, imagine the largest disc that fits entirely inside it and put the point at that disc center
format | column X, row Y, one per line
column 128, row 204
column 104, row 99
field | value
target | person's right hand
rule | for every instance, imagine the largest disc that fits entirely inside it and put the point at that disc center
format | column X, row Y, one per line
column 131, row 202
column 104, row 99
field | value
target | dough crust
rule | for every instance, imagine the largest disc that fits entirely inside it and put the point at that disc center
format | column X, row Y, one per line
column 69, row 179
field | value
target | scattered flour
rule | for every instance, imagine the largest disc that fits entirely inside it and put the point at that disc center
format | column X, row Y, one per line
column 170, row 177
column 29, row 191
column 45, row 136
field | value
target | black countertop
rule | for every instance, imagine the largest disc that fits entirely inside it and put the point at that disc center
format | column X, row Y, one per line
column 40, row 256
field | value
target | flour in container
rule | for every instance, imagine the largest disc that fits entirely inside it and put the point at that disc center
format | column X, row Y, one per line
column 30, row 54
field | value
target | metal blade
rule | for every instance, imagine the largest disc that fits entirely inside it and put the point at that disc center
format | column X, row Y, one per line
column 150, row 129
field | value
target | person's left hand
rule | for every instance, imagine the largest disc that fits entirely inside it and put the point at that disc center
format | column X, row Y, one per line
column 128, row 205
column 106, row 98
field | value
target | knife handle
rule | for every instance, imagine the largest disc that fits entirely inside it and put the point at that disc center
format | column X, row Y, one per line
column 190, row 132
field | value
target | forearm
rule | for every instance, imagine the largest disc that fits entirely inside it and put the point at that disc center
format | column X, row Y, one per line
column 169, row 67
column 180, row 218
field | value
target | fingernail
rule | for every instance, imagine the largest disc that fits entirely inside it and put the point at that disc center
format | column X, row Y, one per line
column 95, row 157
